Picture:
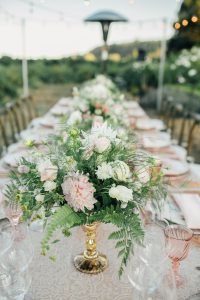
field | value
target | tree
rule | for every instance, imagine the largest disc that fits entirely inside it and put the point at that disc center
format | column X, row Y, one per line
column 187, row 26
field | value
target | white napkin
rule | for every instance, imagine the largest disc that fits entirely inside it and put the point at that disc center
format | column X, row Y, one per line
column 190, row 207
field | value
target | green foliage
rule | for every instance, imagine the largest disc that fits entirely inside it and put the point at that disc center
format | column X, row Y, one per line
column 186, row 36
column 63, row 217
column 129, row 230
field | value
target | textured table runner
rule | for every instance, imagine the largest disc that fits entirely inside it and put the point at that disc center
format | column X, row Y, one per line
column 61, row 281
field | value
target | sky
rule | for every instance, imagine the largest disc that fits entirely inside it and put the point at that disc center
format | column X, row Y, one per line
column 56, row 29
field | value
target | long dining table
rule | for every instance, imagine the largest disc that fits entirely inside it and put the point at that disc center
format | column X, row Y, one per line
column 60, row 280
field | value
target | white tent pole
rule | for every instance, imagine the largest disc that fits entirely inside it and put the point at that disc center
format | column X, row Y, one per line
column 24, row 60
column 162, row 65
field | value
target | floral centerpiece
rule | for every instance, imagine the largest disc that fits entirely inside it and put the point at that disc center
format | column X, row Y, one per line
column 84, row 178
column 99, row 97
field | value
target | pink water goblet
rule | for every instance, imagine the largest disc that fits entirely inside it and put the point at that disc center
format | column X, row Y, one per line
column 177, row 238
column 13, row 213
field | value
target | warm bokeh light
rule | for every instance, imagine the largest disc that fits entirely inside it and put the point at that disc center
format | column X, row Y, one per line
column 177, row 25
column 185, row 22
column 194, row 19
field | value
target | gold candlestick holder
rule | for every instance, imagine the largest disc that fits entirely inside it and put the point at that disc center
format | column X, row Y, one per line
column 91, row 261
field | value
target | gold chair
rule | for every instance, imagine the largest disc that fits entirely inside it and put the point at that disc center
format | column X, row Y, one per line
column 30, row 108
column 175, row 118
column 195, row 123
column 4, row 139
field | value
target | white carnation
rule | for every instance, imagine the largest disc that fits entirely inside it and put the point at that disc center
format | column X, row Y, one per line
column 23, row 169
column 104, row 171
column 47, row 170
column 75, row 118
column 192, row 72
column 121, row 193
column 49, row 186
column 39, row 198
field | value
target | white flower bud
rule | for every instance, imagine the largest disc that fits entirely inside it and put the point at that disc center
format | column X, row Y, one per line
column 49, row 186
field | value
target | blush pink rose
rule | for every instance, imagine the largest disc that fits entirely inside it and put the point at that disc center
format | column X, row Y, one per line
column 47, row 171
column 105, row 109
column 98, row 105
column 97, row 121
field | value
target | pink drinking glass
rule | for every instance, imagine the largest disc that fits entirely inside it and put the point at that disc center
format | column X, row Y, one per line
column 177, row 239
column 13, row 213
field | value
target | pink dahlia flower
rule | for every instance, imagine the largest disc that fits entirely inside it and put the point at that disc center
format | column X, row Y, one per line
column 79, row 192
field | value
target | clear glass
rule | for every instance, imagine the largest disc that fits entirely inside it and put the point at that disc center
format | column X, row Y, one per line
column 15, row 278
column 15, row 285
column 149, row 270
column 177, row 238
column 6, row 235
column 194, row 297
column 151, row 276
column 20, row 254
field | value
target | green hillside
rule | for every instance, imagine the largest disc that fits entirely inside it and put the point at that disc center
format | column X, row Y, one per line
column 127, row 49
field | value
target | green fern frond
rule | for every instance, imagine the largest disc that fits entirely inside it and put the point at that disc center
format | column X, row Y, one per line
column 63, row 217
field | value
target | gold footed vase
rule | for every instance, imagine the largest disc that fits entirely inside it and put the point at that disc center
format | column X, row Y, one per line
column 91, row 261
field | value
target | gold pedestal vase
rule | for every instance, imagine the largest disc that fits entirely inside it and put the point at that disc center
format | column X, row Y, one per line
column 90, row 261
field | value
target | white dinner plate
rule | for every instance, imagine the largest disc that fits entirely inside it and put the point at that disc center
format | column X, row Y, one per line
column 149, row 124
column 131, row 105
column 65, row 101
column 59, row 110
column 12, row 159
column 155, row 143
column 49, row 121
column 137, row 113
column 38, row 136
column 172, row 167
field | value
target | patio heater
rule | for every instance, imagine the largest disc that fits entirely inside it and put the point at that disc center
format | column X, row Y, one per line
column 105, row 18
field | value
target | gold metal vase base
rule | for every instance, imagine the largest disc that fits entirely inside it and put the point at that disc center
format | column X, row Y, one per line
column 90, row 261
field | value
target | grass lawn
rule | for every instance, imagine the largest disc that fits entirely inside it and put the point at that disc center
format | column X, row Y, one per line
column 190, row 89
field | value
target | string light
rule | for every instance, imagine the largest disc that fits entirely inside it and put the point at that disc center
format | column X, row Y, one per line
column 177, row 25
column 194, row 19
column 185, row 22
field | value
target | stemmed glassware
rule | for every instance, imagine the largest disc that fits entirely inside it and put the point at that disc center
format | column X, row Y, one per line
column 6, row 236
column 13, row 212
column 178, row 240
column 15, row 278
column 149, row 270
column 16, row 253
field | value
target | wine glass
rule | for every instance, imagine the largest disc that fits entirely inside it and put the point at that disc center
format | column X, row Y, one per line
column 15, row 285
column 20, row 254
column 13, row 212
column 14, row 263
column 149, row 270
column 148, row 273
column 6, row 235
column 177, row 238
